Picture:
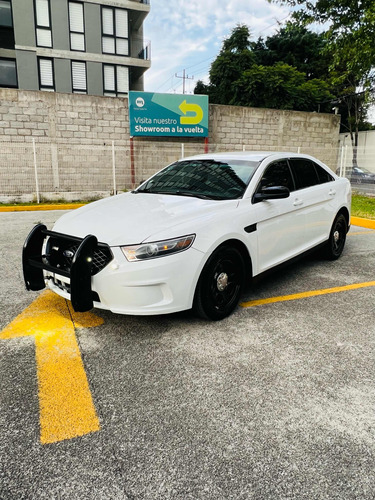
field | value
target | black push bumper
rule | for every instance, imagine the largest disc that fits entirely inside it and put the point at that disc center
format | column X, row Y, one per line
column 79, row 273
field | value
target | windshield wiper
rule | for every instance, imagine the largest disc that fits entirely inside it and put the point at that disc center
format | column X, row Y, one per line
column 178, row 193
column 193, row 195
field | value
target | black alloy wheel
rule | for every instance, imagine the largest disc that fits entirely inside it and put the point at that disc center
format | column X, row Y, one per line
column 336, row 242
column 220, row 284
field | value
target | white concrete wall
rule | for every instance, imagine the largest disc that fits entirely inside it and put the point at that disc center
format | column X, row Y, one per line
column 365, row 151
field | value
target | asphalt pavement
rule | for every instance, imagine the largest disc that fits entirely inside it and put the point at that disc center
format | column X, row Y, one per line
column 275, row 402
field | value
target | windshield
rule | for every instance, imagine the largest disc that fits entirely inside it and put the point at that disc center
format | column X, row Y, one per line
column 362, row 170
column 212, row 179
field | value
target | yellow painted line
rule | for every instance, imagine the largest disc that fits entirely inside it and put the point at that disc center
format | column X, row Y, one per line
column 65, row 401
column 304, row 295
column 356, row 233
column 32, row 208
column 359, row 221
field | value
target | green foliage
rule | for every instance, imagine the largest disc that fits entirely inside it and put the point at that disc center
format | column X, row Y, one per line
column 295, row 45
column 233, row 59
column 282, row 72
column 351, row 32
column 279, row 87
column 350, row 44
column 299, row 69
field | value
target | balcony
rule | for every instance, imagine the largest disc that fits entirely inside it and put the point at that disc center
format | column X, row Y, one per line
column 140, row 49
column 138, row 10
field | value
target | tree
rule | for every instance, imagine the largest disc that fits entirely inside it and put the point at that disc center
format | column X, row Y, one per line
column 280, row 87
column 351, row 46
column 234, row 58
column 268, row 73
column 295, row 45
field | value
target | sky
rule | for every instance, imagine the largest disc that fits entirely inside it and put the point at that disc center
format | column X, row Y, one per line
column 188, row 34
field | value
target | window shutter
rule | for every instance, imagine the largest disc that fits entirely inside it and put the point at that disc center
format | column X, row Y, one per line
column 42, row 13
column 79, row 75
column 109, row 78
column 46, row 72
column 108, row 45
column 107, row 19
column 122, row 47
column 43, row 38
column 122, row 79
column 76, row 17
column 77, row 41
column 122, row 23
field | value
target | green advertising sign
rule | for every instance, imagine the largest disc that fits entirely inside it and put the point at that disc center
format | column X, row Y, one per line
column 169, row 115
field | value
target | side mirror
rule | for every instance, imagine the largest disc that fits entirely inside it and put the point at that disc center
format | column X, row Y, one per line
column 272, row 193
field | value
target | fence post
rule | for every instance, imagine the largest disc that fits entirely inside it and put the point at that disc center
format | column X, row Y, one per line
column 114, row 168
column 345, row 158
column 132, row 166
column 36, row 174
column 341, row 160
column 182, row 150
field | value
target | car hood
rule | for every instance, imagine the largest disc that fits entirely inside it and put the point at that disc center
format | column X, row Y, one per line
column 133, row 218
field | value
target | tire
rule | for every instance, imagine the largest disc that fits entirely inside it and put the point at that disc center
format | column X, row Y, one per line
column 220, row 284
column 337, row 237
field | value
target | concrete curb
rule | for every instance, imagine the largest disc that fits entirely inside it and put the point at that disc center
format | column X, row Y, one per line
column 355, row 221
column 358, row 221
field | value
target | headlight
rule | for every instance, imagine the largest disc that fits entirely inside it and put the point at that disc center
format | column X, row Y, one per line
column 157, row 248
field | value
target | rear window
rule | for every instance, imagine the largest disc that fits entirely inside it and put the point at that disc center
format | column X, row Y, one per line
column 304, row 172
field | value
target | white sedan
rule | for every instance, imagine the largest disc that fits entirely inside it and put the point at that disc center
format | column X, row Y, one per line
column 191, row 235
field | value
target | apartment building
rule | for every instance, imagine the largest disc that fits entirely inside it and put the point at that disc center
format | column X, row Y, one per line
column 91, row 47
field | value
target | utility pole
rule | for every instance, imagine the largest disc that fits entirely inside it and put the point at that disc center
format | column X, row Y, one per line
column 184, row 78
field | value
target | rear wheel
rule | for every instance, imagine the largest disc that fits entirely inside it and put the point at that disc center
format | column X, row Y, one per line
column 336, row 242
column 220, row 284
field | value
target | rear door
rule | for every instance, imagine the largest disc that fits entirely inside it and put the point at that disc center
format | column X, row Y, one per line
column 315, row 192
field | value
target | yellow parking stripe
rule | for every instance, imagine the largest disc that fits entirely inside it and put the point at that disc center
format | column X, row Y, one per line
column 356, row 233
column 33, row 208
column 304, row 295
column 66, row 406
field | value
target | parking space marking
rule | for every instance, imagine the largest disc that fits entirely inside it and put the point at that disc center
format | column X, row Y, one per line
column 355, row 233
column 65, row 401
column 304, row 295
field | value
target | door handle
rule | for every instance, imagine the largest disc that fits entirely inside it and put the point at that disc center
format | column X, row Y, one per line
column 332, row 192
column 297, row 202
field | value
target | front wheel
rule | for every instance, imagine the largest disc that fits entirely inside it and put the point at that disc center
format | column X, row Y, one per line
column 220, row 284
column 336, row 242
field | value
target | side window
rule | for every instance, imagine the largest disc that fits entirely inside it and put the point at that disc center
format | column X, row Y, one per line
column 323, row 175
column 277, row 174
column 304, row 172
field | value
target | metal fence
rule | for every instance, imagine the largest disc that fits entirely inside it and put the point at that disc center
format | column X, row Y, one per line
column 41, row 170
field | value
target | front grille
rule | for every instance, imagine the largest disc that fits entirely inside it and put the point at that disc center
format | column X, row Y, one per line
column 60, row 252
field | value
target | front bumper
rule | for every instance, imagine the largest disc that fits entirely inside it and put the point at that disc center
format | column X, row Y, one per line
column 156, row 286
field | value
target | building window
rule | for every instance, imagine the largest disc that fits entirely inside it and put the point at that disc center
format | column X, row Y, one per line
column 116, row 80
column 79, row 81
column 43, row 23
column 46, row 78
column 76, row 26
column 6, row 25
column 8, row 73
column 115, row 31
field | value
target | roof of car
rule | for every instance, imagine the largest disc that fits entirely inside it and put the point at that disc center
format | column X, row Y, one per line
column 243, row 155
